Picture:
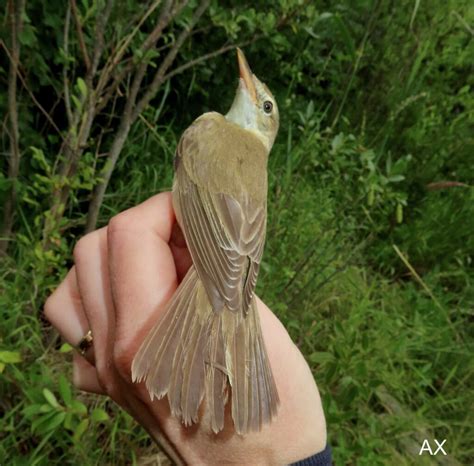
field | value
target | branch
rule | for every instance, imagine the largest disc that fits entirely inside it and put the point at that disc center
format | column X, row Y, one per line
column 116, row 58
column 119, row 76
column 169, row 59
column 150, row 41
column 67, row 95
column 33, row 98
column 99, row 36
column 16, row 24
column 167, row 14
column 130, row 114
column 201, row 59
column 445, row 184
column 80, row 35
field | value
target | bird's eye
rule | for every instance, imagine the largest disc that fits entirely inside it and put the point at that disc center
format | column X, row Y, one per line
column 267, row 107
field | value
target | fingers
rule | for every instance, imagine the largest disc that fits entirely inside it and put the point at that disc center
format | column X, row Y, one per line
column 65, row 312
column 90, row 257
column 142, row 270
column 298, row 392
column 146, row 254
column 155, row 214
column 84, row 376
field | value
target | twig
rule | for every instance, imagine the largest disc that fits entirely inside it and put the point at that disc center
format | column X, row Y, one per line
column 427, row 289
column 132, row 111
column 118, row 56
column 355, row 68
column 67, row 95
column 33, row 98
column 80, row 35
column 463, row 22
column 169, row 59
column 99, row 36
column 120, row 74
column 200, row 59
column 162, row 75
column 163, row 21
column 80, row 127
column 110, row 67
column 445, row 184
column 16, row 24
column 167, row 14
column 417, row 277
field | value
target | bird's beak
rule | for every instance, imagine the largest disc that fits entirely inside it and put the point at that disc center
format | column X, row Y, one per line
column 246, row 75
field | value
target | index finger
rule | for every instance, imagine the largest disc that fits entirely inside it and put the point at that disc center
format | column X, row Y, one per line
column 142, row 272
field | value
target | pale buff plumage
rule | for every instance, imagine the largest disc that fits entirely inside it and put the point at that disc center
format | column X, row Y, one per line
column 210, row 334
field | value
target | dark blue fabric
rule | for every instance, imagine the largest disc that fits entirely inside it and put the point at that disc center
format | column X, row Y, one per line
column 323, row 458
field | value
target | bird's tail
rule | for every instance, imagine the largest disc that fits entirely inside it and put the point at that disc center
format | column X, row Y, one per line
column 194, row 351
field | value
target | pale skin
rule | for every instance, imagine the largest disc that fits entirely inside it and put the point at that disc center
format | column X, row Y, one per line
column 123, row 276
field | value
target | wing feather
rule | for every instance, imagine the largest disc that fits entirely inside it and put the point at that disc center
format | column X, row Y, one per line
column 225, row 232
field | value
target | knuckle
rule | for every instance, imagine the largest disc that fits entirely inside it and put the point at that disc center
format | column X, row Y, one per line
column 81, row 247
column 120, row 223
column 123, row 362
column 49, row 306
column 106, row 380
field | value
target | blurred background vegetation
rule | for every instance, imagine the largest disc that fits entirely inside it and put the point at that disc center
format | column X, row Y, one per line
column 371, row 215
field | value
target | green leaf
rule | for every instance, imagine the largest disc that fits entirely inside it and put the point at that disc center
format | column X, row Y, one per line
column 337, row 143
column 38, row 424
column 78, row 407
column 40, row 158
column 48, row 422
column 321, row 357
column 68, row 421
column 57, row 420
column 399, row 213
column 28, row 36
column 396, row 178
column 65, row 348
column 46, row 408
column 81, row 428
column 99, row 415
column 81, row 85
column 346, row 35
column 50, row 398
column 65, row 390
column 10, row 357
column 77, row 102
column 32, row 410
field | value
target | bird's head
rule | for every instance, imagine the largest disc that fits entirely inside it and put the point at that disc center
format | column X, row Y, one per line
column 254, row 107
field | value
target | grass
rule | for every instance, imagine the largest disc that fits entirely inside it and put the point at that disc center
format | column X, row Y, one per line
column 392, row 357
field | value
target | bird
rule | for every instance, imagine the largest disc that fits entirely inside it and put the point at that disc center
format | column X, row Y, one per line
column 209, row 344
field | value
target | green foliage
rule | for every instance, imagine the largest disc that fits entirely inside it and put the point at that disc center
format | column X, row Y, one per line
column 69, row 414
column 376, row 109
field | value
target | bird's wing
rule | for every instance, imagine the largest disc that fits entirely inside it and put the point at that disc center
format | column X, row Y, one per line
column 225, row 233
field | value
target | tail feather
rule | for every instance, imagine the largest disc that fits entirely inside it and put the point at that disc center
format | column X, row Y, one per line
column 162, row 364
column 216, row 375
column 192, row 390
column 181, row 359
column 153, row 362
column 254, row 395
column 237, row 347
column 194, row 350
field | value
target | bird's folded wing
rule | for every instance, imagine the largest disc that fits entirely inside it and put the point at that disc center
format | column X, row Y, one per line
column 225, row 236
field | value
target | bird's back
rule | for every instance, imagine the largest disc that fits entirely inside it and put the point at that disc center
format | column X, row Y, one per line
column 221, row 157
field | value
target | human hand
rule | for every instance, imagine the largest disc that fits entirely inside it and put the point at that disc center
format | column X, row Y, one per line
column 124, row 274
